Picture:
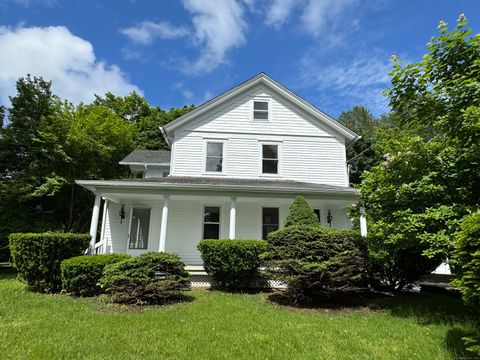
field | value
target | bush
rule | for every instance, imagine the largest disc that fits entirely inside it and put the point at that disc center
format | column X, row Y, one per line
column 314, row 260
column 151, row 278
column 232, row 263
column 301, row 213
column 81, row 274
column 37, row 256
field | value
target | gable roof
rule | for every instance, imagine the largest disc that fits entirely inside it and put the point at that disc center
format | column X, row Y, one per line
column 142, row 157
column 267, row 81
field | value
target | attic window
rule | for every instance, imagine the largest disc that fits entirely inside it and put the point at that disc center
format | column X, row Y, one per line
column 260, row 110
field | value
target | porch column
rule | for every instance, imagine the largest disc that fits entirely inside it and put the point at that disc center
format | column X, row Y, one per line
column 94, row 223
column 163, row 225
column 363, row 222
column 233, row 217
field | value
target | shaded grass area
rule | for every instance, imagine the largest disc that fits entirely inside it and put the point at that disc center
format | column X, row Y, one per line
column 219, row 325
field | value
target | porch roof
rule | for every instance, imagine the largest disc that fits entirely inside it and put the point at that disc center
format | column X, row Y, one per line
column 219, row 184
column 150, row 157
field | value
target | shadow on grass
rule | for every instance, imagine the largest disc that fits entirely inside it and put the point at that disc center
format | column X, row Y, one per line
column 7, row 273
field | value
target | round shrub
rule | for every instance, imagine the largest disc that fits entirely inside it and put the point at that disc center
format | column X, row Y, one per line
column 81, row 274
column 232, row 264
column 37, row 256
column 301, row 213
column 313, row 260
column 151, row 278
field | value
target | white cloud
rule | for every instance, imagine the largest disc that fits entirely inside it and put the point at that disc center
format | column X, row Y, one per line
column 359, row 79
column 219, row 26
column 320, row 13
column 57, row 55
column 28, row 3
column 278, row 12
column 146, row 32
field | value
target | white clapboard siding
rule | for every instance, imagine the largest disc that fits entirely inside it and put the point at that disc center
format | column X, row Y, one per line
column 307, row 151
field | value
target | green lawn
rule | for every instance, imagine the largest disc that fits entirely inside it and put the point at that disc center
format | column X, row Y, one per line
column 218, row 325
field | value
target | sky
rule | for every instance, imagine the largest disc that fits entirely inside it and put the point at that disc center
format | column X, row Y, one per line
column 334, row 53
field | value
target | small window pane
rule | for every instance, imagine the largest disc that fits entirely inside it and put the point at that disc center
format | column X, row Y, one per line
column 270, row 166
column 270, row 221
column 260, row 115
column 211, row 231
column 139, row 229
column 270, row 151
column 215, row 149
column 214, row 164
column 212, row 214
column 260, row 105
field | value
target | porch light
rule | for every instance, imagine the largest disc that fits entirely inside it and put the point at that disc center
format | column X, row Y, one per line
column 121, row 213
column 329, row 218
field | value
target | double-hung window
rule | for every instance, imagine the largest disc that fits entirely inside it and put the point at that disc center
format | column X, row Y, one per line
column 211, row 222
column 317, row 214
column 269, row 159
column 139, row 228
column 260, row 110
column 214, row 160
column 270, row 221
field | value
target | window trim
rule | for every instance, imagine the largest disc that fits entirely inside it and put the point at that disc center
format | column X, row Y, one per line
column 262, row 224
column 131, row 207
column 205, row 152
column 252, row 109
column 219, row 220
column 279, row 159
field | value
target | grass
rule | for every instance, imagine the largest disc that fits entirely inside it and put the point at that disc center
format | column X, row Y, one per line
column 218, row 325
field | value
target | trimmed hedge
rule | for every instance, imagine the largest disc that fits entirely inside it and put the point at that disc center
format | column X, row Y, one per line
column 151, row 278
column 232, row 263
column 314, row 260
column 37, row 256
column 301, row 213
column 81, row 274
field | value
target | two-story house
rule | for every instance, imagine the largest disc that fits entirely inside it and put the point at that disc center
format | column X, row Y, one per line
column 234, row 166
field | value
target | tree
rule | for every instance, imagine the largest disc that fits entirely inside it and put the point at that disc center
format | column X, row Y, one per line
column 416, row 198
column 301, row 213
column 360, row 156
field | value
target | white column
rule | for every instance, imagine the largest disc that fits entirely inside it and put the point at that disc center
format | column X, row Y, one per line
column 233, row 217
column 94, row 223
column 163, row 225
column 363, row 222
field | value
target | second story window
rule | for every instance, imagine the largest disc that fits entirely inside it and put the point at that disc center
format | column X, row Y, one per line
column 214, row 156
column 260, row 110
column 270, row 159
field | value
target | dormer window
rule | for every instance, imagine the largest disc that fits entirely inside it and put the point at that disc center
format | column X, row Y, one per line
column 260, row 110
column 214, row 160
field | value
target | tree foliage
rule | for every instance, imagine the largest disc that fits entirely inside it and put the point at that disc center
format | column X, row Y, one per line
column 429, row 178
column 301, row 213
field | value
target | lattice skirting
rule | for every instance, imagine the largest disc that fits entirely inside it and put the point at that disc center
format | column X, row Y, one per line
column 203, row 280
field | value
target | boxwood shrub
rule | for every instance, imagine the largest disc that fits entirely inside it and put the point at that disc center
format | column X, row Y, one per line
column 81, row 274
column 232, row 264
column 151, row 278
column 313, row 260
column 37, row 256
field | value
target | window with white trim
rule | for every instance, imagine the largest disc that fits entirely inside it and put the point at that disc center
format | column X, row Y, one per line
column 269, row 159
column 260, row 110
column 211, row 222
column 317, row 214
column 214, row 161
column 270, row 221
column 139, row 228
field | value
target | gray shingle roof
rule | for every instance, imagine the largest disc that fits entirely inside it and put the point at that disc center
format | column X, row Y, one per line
column 147, row 157
column 214, row 183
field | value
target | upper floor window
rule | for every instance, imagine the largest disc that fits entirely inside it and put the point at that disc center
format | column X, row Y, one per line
column 269, row 159
column 260, row 110
column 214, row 156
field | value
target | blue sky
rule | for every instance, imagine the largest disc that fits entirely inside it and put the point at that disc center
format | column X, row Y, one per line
column 334, row 53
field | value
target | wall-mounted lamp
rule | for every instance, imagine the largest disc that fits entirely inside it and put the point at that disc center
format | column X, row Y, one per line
column 121, row 213
column 329, row 218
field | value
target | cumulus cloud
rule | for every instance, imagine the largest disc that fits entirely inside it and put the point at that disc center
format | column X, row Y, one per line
column 146, row 32
column 57, row 55
column 278, row 12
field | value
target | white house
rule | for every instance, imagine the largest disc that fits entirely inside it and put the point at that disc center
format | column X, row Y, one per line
column 234, row 166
